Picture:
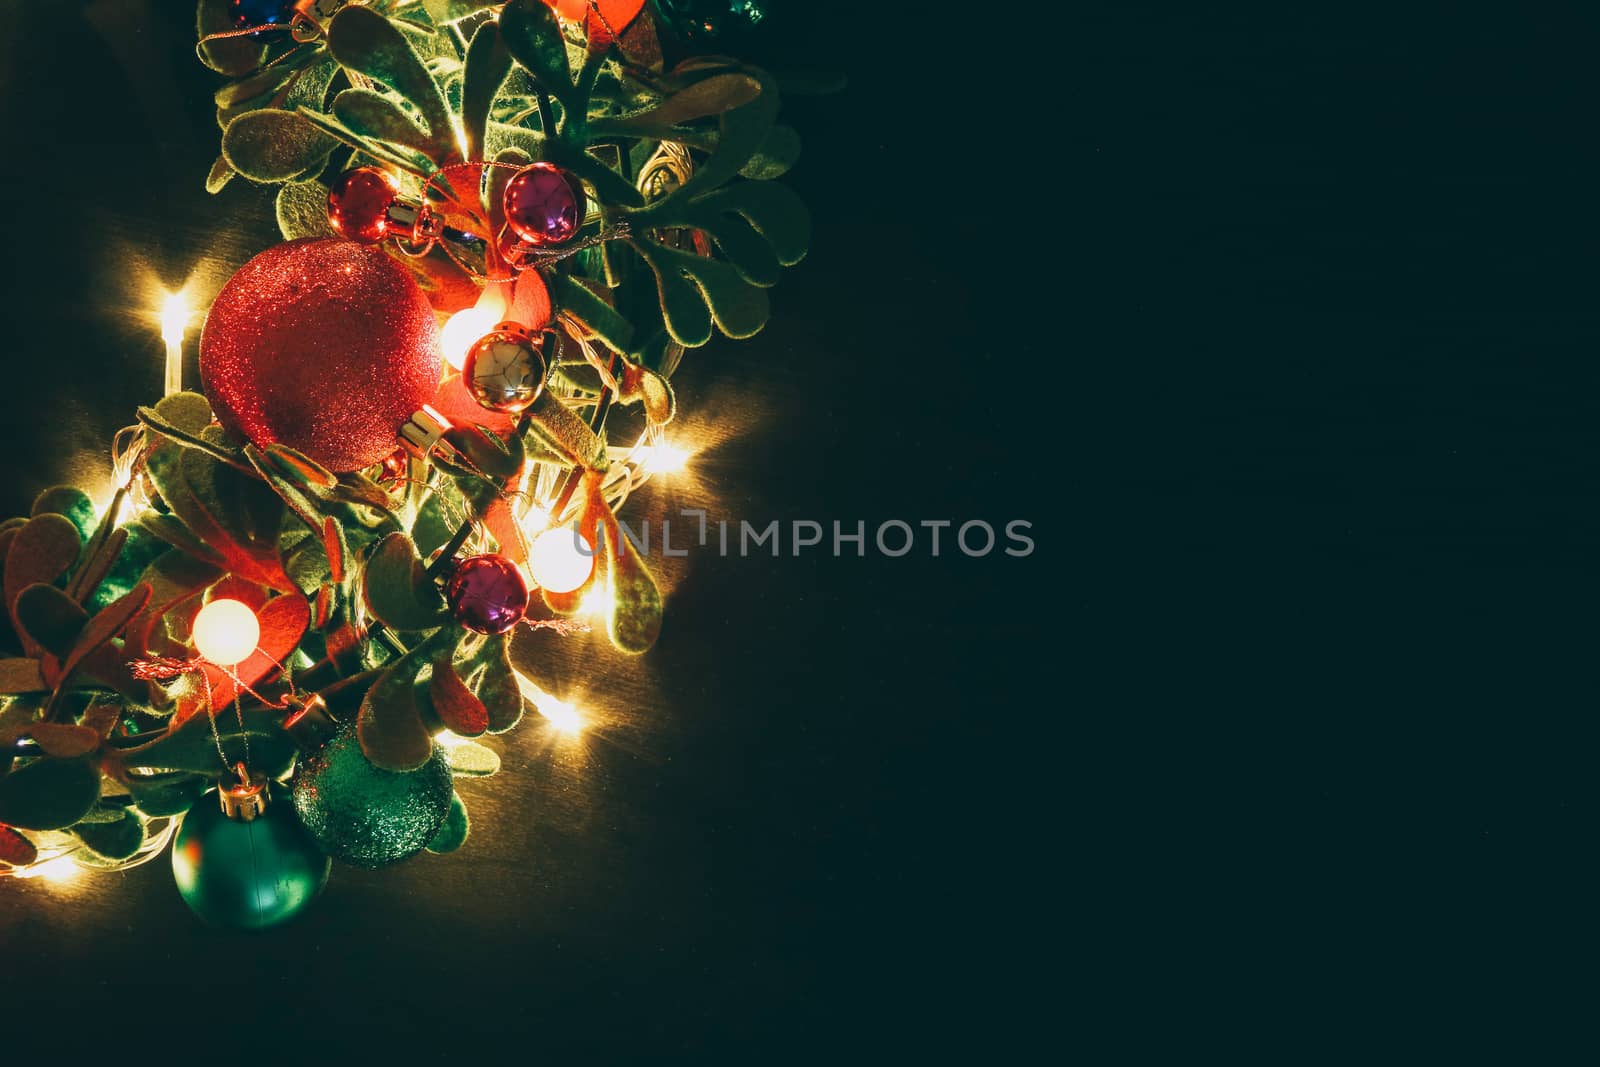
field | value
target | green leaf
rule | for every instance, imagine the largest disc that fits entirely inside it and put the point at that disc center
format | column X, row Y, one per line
column 453, row 834
column 565, row 432
column 532, row 35
column 595, row 315
column 776, row 211
column 488, row 62
column 397, row 588
column 469, row 759
column 64, row 740
column 743, row 132
column 379, row 118
column 634, row 620
column 302, row 210
column 48, row 794
column 399, row 155
column 688, row 285
column 233, row 55
column 390, row 724
column 489, row 674
column 100, row 563
column 49, row 619
column 368, row 43
column 71, row 503
column 189, row 745
column 260, row 84
column 220, row 175
column 715, row 95
column 41, row 551
column 159, row 795
column 115, row 840
column 779, row 152
column 274, row 146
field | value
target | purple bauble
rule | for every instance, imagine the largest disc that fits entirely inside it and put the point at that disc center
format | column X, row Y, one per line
column 487, row 594
column 544, row 204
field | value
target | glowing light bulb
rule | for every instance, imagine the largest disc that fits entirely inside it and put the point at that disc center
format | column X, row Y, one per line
column 535, row 521
column 226, row 632
column 174, row 318
column 463, row 329
column 560, row 560
column 664, row 458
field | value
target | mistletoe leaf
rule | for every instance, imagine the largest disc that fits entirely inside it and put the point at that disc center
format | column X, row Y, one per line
column 776, row 211
column 50, row 621
column 489, row 674
column 456, row 706
column 64, row 740
column 487, row 64
column 366, row 42
column 634, row 619
column 565, row 432
column 220, row 175
column 468, row 759
column 49, row 794
column 453, row 834
column 231, row 55
column 744, row 247
column 375, row 117
column 71, row 503
column 274, row 146
column 189, row 745
column 401, row 156
column 101, row 563
column 532, row 35
column 18, row 851
column 716, row 95
column 302, row 210
column 390, row 724
column 779, row 152
column 116, row 839
column 106, row 624
column 160, row 795
column 397, row 588
column 41, row 551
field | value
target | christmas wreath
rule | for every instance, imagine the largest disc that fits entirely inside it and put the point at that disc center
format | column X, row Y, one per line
column 504, row 223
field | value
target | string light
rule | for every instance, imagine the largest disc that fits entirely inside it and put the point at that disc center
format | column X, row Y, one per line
column 60, row 869
column 663, row 458
column 226, row 632
column 463, row 329
column 596, row 602
column 175, row 315
column 560, row 560
column 564, row 717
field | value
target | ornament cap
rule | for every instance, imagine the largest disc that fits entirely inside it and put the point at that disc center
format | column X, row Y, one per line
column 309, row 722
column 423, row 430
column 246, row 800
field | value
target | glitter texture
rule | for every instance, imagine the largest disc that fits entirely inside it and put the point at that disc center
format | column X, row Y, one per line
column 321, row 345
column 364, row 815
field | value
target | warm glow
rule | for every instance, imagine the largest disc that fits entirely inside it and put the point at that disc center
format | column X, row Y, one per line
column 663, row 458
column 226, row 632
column 174, row 318
column 60, row 869
column 562, row 715
column 536, row 520
column 560, row 560
column 463, row 329
column 596, row 602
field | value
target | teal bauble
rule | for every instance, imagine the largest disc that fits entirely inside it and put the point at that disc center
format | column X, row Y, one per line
column 367, row 816
column 246, row 874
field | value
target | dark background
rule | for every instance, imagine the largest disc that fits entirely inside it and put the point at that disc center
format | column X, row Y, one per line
column 1280, row 330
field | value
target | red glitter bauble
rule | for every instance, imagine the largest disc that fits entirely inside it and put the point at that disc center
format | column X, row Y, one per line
column 321, row 345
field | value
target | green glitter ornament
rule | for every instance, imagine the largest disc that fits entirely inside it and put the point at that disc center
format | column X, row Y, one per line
column 244, row 863
column 367, row 816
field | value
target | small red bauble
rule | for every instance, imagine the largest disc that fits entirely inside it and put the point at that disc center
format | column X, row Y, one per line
column 359, row 202
column 321, row 345
column 544, row 204
column 487, row 594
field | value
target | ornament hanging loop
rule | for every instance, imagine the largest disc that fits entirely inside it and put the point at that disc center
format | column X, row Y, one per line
column 246, row 800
